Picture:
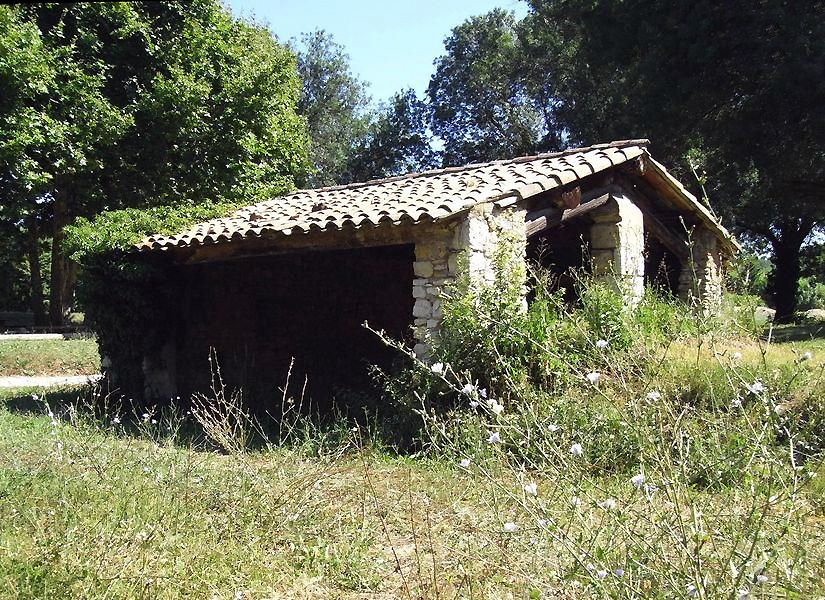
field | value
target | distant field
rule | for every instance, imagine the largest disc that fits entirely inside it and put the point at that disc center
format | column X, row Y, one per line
column 49, row 357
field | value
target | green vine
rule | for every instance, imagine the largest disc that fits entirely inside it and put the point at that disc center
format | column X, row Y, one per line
column 130, row 297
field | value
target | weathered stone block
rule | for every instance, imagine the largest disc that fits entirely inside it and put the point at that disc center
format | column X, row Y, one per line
column 423, row 268
column 422, row 308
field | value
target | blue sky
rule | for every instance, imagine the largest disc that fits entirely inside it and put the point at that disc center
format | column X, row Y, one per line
column 391, row 45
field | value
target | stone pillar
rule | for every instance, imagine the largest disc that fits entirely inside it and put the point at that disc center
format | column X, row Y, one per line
column 617, row 243
column 159, row 373
column 700, row 282
column 434, row 267
column 472, row 243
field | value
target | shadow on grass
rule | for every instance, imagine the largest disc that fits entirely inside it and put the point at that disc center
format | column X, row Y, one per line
column 91, row 404
column 794, row 332
column 175, row 424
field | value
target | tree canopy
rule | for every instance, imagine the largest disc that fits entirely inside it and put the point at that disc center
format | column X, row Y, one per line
column 734, row 89
column 113, row 105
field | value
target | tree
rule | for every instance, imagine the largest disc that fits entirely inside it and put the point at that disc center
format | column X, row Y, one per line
column 736, row 86
column 397, row 141
column 138, row 104
column 335, row 105
column 484, row 104
column 732, row 89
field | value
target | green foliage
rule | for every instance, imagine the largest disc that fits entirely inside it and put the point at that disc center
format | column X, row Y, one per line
column 632, row 386
column 334, row 103
column 484, row 105
column 120, row 230
column 397, row 141
column 181, row 104
column 747, row 274
column 811, row 294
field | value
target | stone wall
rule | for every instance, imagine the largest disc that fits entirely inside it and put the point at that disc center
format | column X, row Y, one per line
column 700, row 282
column 617, row 240
column 471, row 241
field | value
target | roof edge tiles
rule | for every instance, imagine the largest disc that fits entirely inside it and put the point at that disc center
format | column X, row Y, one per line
column 414, row 198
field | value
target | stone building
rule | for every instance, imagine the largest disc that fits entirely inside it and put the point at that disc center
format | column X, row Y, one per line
column 297, row 276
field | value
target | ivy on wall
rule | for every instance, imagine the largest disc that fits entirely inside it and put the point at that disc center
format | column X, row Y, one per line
column 130, row 298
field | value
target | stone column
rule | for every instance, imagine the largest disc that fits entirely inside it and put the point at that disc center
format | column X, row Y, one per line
column 700, row 282
column 617, row 244
column 434, row 268
column 470, row 242
column 159, row 379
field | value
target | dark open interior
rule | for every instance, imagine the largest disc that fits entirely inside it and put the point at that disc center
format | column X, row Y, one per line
column 260, row 313
column 561, row 252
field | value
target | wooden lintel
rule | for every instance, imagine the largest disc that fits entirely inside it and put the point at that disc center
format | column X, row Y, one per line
column 542, row 220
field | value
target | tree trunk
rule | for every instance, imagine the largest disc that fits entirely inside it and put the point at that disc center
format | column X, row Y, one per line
column 36, row 303
column 56, row 313
column 787, row 247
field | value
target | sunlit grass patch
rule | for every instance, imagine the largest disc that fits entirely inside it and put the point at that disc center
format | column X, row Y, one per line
column 49, row 357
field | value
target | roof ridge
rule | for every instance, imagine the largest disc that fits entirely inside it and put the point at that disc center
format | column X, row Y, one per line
column 518, row 159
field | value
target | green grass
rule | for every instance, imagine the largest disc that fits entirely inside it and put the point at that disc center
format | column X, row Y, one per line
column 49, row 357
column 94, row 508
column 498, row 500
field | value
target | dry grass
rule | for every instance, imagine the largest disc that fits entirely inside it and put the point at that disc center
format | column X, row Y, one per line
column 90, row 512
column 119, row 507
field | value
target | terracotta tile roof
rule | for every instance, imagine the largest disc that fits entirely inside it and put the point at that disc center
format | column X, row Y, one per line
column 414, row 198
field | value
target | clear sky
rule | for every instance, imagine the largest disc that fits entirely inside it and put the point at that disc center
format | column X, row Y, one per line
column 391, row 44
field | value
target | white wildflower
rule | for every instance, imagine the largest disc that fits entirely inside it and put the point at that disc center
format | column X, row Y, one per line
column 736, row 402
column 145, row 416
column 531, row 489
column 609, row 504
column 760, row 579
column 638, row 481
column 576, row 501
column 806, row 356
column 437, row 368
column 465, row 463
column 468, row 389
column 601, row 344
column 36, row 398
column 542, row 522
column 653, row 396
column 743, row 595
column 594, row 377
column 576, row 450
column 691, row 590
column 510, row 527
column 482, row 393
column 755, row 388
column 116, row 420
column 473, row 404
column 553, row 428
column 496, row 407
column 601, row 573
column 736, row 356
column 618, row 572
column 154, row 421
column 494, row 438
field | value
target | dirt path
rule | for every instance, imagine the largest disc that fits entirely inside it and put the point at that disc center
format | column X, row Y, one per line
column 22, row 381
